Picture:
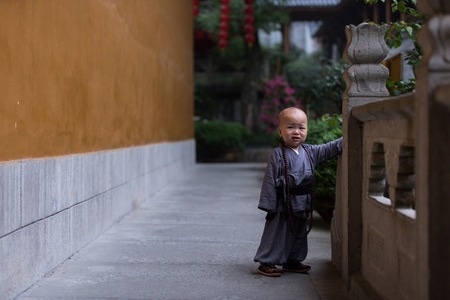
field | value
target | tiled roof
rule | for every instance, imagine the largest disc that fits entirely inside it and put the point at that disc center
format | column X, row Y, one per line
column 316, row 3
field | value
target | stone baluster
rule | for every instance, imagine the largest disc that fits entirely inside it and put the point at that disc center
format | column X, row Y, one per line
column 366, row 49
column 366, row 82
column 433, row 156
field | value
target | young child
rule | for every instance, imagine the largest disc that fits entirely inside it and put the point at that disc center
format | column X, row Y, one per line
column 284, row 241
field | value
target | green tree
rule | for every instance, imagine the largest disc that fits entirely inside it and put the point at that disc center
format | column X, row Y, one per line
column 400, row 30
column 318, row 81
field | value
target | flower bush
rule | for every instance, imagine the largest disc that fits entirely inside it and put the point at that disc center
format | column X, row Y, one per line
column 278, row 95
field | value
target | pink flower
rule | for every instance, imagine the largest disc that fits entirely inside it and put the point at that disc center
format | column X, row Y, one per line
column 278, row 94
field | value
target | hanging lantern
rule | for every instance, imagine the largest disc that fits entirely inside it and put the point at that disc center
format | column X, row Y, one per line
column 195, row 7
column 224, row 23
column 249, row 20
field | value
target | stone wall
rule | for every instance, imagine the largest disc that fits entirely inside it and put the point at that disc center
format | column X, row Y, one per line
column 52, row 207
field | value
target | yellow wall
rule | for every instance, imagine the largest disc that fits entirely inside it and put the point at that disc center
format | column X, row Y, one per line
column 88, row 75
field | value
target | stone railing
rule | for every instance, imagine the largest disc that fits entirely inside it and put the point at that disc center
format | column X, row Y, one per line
column 374, row 224
column 388, row 215
column 390, row 230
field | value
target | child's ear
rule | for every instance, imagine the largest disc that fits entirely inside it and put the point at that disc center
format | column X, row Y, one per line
column 279, row 132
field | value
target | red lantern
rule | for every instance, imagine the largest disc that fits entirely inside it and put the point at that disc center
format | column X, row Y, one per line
column 223, row 44
column 223, row 26
column 195, row 7
column 248, row 9
column 224, row 23
column 225, row 9
column 249, row 29
column 250, row 39
column 249, row 21
column 223, row 35
column 224, row 18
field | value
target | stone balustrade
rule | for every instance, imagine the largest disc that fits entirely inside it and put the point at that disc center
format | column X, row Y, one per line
column 388, row 216
column 390, row 231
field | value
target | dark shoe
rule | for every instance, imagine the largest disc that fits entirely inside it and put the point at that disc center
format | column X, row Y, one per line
column 296, row 267
column 269, row 270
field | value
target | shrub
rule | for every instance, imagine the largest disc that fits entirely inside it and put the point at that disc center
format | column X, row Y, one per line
column 318, row 82
column 215, row 139
column 322, row 130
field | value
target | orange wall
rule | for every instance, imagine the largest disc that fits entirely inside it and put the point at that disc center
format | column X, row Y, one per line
column 88, row 75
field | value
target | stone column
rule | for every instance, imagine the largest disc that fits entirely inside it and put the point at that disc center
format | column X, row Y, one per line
column 433, row 154
column 366, row 82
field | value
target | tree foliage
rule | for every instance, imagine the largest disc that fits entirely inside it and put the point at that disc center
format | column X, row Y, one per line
column 399, row 31
column 409, row 28
column 318, row 81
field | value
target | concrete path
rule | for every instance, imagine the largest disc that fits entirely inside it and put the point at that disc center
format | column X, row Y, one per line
column 194, row 240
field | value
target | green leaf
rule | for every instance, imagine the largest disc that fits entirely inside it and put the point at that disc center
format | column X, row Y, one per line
column 410, row 30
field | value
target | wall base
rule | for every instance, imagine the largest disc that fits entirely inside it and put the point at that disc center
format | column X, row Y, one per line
column 50, row 208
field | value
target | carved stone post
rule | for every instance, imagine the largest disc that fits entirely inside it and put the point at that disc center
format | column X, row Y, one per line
column 433, row 155
column 366, row 49
column 366, row 82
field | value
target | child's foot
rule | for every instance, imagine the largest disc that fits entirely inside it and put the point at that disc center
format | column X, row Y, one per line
column 296, row 267
column 269, row 270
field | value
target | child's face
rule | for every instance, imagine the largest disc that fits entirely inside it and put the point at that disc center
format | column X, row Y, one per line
column 293, row 127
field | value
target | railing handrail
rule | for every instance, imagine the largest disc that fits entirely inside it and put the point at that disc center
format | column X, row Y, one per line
column 393, row 107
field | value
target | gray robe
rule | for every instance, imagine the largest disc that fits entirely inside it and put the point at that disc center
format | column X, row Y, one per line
column 278, row 244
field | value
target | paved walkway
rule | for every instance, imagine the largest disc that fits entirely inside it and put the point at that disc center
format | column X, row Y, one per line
column 194, row 240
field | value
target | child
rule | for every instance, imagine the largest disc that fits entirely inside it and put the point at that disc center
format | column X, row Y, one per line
column 284, row 240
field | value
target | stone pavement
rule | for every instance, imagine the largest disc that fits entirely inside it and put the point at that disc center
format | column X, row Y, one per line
column 194, row 240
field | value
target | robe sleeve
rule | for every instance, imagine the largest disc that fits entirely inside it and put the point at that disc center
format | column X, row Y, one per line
column 268, row 196
column 323, row 152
